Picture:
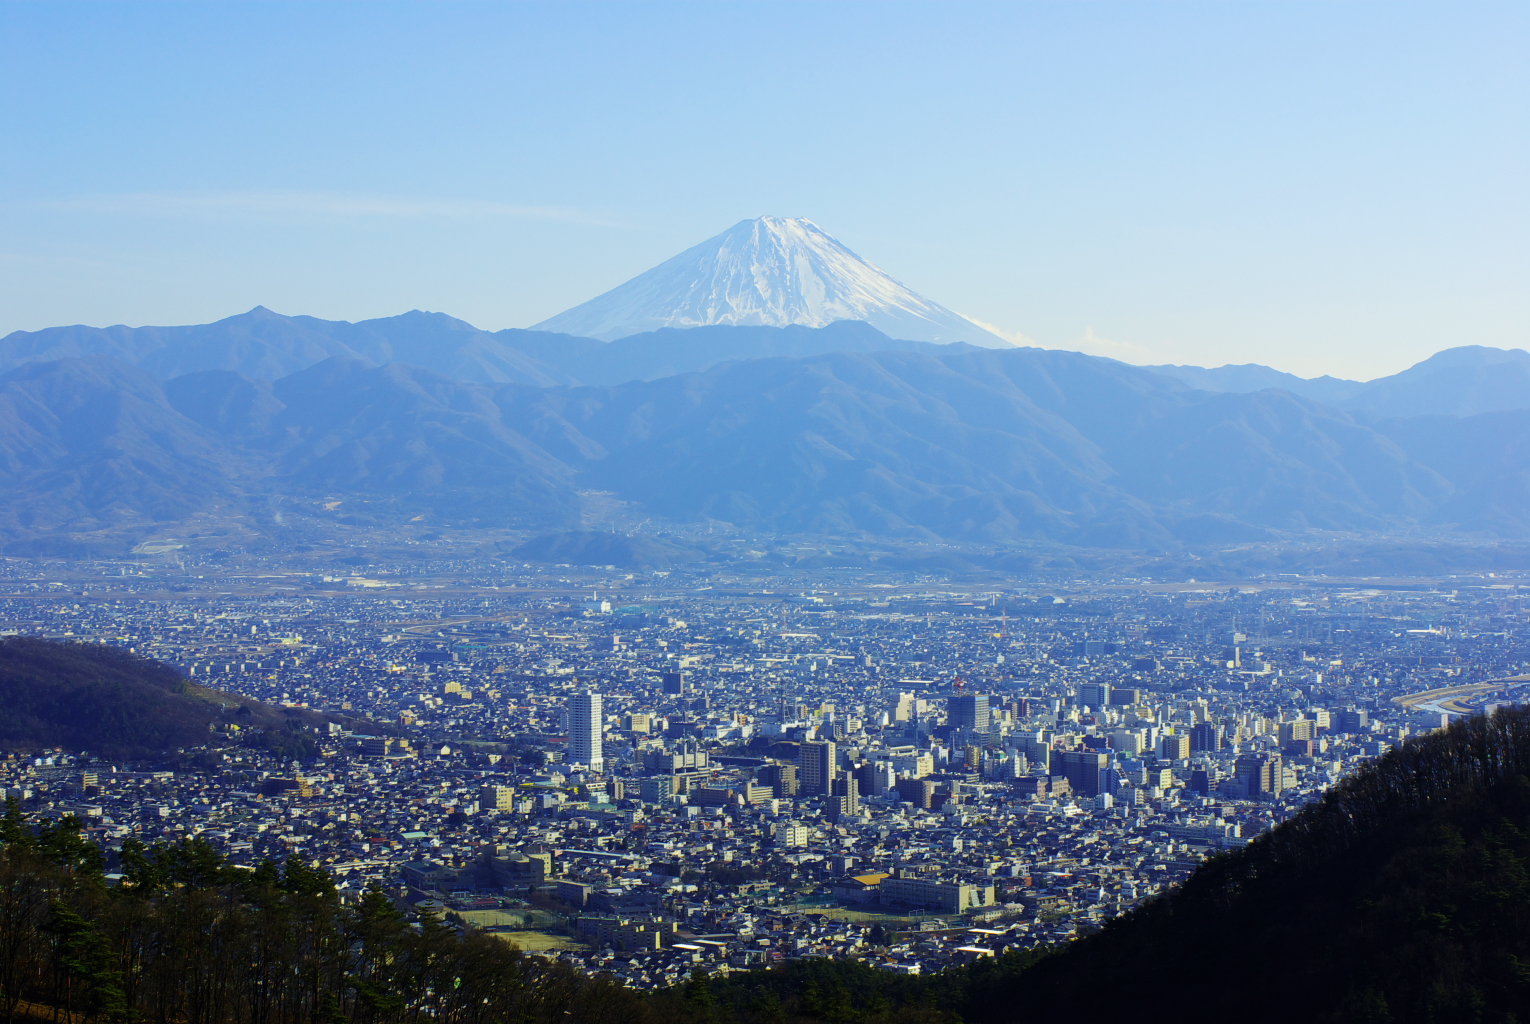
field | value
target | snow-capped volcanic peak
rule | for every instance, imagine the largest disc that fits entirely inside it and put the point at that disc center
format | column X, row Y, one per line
column 772, row 271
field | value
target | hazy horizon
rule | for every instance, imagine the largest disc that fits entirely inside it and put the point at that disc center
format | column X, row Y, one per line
column 1318, row 187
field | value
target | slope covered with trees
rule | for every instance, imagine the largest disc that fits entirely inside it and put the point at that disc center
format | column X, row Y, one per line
column 190, row 940
column 112, row 702
column 1403, row 896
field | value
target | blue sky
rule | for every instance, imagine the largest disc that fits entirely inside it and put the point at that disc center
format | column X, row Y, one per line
column 1323, row 187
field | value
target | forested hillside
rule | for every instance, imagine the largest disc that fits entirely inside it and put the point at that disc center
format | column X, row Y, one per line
column 109, row 701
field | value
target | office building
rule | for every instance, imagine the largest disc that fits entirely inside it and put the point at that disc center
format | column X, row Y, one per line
column 845, row 798
column 876, row 778
column 1038, row 753
column 586, row 726
column 1083, row 769
column 1206, row 736
column 943, row 896
column 1353, row 721
column 1094, row 695
column 969, row 712
column 919, row 792
column 657, row 789
column 848, row 787
column 792, row 836
column 816, row 768
column 1174, row 747
column 1301, row 729
column 781, row 778
column 1261, row 775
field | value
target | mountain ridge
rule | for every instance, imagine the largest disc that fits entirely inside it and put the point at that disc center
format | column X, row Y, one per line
column 267, row 345
column 1463, row 381
column 969, row 445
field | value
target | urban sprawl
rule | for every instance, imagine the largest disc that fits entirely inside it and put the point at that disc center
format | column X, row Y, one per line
column 652, row 774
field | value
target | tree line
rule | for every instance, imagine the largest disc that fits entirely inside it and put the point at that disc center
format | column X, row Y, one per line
column 186, row 938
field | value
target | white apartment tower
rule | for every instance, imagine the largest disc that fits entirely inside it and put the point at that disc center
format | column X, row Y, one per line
column 586, row 726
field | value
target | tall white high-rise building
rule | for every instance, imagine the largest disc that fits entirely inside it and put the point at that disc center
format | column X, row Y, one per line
column 586, row 722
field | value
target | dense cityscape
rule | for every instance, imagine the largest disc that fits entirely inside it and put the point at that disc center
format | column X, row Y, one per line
column 653, row 774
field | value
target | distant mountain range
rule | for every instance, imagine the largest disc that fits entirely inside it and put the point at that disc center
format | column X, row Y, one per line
column 925, row 442
column 1461, row 381
column 265, row 345
column 761, row 392
column 261, row 344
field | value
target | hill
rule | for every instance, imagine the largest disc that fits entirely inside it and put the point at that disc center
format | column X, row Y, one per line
column 108, row 701
column 593, row 547
column 1246, row 377
column 1465, row 381
column 670, row 350
column 265, row 345
column 978, row 445
column 960, row 444
column 1403, row 896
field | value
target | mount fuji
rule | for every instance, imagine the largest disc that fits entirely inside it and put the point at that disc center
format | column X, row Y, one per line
column 767, row 272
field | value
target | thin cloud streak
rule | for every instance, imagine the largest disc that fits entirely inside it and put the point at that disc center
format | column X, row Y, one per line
column 1125, row 351
column 1089, row 343
column 1017, row 338
column 323, row 204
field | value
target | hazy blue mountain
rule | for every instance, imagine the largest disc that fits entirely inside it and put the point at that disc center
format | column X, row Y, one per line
column 450, row 347
column 345, row 427
column 266, row 345
column 1247, row 377
column 981, row 445
column 1461, row 381
column 260, row 343
column 269, row 345
column 958, row 443
column 89, row 444
column 669, row 351
column 767, row 272
column 1486, row 458
column 593, row 547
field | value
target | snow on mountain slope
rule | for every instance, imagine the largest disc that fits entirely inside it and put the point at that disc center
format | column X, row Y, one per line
column 769, row 272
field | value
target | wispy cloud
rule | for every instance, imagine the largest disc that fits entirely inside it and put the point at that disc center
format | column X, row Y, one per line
column 1013, row 337
column 1088, row 342
column 313, row 204
column 1125, row 351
